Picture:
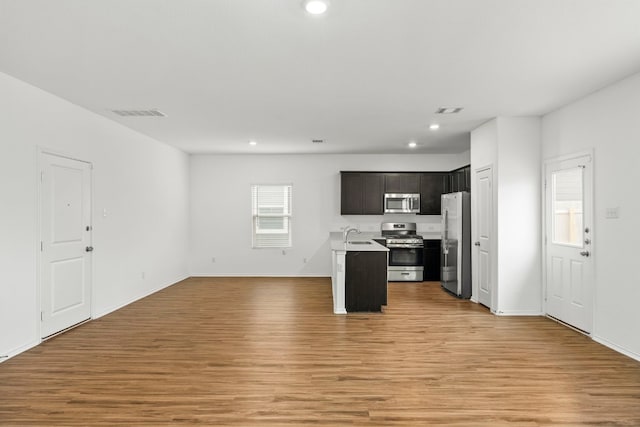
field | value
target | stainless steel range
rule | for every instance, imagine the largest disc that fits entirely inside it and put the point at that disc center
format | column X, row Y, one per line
column 406, row 251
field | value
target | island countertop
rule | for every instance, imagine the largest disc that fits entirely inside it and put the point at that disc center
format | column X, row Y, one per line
column 370, row 246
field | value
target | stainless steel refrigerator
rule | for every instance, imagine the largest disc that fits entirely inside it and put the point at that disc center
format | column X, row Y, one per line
column 455, row 257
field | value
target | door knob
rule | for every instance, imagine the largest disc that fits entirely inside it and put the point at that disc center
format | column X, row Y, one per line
column 477, row 243
column 89, row 249
column 585, row 253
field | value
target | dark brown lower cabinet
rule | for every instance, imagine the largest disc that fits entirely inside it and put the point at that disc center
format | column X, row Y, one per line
column 432, row 260
column 365, row 284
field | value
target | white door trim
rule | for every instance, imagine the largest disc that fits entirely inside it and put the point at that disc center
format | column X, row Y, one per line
column 547, row 162
column 475, row 238
column 40, row 151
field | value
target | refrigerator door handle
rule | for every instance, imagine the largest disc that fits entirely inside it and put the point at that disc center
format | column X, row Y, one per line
column 446, row 225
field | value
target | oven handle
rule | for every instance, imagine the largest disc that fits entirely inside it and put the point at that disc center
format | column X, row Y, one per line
column 403, row 246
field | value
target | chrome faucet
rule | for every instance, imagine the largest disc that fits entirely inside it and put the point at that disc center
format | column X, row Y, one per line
column 347, row 230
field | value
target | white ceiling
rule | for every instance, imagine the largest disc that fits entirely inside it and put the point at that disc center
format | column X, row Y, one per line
column 367, row 77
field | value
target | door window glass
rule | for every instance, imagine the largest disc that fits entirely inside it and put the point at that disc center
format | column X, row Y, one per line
column 567, row 201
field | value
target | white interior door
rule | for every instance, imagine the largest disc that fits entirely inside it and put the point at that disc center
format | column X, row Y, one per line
column 65, row 262
column 568, row 236
column 484, row 221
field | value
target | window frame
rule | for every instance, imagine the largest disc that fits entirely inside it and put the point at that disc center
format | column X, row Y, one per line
column 286, row 215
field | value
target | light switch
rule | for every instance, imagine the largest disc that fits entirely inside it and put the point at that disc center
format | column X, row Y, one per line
column 612, row 213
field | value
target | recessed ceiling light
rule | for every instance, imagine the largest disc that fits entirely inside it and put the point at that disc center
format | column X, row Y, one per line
column 316, row 7
column 448, row 110
column 317, row 141
column 252, row 143
column 413, row 144
column 434, row 126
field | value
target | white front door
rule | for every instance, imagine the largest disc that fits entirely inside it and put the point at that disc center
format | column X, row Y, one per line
column 569, row 241
column 65, row 232
column 484, row 222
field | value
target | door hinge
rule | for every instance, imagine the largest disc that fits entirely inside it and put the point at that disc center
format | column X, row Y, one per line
column 41, row 246
column 41, row 176
column 42, row 316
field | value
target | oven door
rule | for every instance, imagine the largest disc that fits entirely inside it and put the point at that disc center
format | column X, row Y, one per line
column 405, row 256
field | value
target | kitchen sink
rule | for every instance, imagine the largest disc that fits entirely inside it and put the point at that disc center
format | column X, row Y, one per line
column 360, row 242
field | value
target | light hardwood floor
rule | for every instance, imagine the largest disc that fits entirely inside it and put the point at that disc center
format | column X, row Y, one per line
column 269, row 352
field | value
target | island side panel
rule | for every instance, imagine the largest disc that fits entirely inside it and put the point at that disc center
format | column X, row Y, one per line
column 337, row 281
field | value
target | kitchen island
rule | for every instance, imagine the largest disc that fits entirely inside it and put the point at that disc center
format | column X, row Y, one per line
column 359, row 275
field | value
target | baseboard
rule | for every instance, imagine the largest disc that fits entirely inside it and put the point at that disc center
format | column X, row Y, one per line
column 116, row 307
column 261, row 275
column 617, row 348
column 14, row 352
column 518, row 313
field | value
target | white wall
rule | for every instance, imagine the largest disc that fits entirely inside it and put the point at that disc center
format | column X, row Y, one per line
column 484, row 154
column 608, row 122
column 142, row 184
column 511, row 146
column 519, row 223
column 221, row 208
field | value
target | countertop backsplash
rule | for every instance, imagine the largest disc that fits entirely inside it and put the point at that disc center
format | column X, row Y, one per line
column 427, row 231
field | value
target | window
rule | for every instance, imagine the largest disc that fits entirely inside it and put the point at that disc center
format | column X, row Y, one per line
column 567, row 197
column 271, row 208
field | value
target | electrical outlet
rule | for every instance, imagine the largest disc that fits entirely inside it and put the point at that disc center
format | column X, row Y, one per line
column 142, row 275
column 304, row 260
column 213, row 260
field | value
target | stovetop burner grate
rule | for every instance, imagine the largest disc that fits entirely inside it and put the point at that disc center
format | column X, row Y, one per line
column 403, row 236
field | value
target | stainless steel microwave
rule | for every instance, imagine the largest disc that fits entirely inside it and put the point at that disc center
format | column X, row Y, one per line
column 401, row 203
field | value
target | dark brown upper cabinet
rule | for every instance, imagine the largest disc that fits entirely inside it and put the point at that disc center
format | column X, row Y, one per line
column 361, row 193
column 432, row 186
column 460, row 180
column 402, row 183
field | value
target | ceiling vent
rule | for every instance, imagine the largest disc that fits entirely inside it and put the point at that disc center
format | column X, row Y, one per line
column 448, row 110
column 317, row 141
column 139, row 113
